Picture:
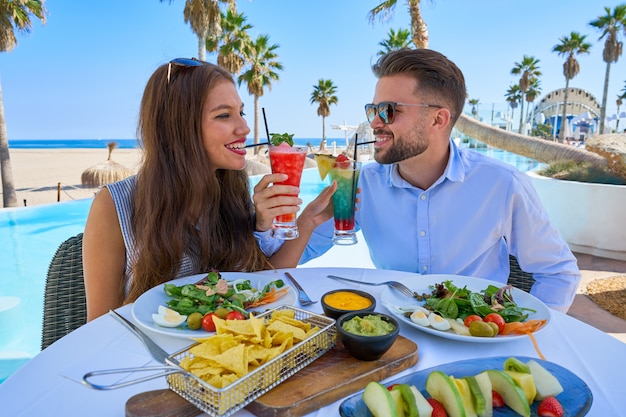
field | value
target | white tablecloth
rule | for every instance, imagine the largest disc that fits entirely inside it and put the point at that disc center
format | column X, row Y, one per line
column 48, row 384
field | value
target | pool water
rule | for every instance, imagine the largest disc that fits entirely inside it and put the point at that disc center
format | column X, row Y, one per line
column 29, row 237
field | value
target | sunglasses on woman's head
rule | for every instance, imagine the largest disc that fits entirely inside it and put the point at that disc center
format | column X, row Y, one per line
column 386, row 110
column 182, row 62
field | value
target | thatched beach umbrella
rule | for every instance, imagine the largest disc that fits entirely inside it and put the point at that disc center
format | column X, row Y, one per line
column 256, row 167
column 105, row 172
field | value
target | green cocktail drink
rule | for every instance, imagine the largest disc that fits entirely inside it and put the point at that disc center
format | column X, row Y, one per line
column 289, row 160
column 347, row 176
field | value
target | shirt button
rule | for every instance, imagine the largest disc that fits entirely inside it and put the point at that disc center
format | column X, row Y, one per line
column 422, row 233
column 423, row 197
column 424, row 268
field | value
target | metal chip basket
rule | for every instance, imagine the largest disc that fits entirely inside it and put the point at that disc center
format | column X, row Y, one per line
column 226, row 401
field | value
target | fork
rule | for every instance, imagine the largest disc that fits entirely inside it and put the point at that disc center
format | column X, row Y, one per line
column 303, row 298
column 393, row 284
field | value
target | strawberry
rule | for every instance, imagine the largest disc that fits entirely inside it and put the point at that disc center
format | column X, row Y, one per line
column 438, row 410
column 550, row 407
column 496, row 400
column 342, row 161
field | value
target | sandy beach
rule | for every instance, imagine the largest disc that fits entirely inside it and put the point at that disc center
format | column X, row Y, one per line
column 37, row 173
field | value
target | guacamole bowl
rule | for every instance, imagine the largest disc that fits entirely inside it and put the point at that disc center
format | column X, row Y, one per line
column 338, row 302
column 367, row 335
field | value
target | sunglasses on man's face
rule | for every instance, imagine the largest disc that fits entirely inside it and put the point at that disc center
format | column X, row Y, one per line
column 386, row 110
column 182, row 62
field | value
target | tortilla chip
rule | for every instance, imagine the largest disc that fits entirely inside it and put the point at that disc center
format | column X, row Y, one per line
column 280, row 326
column 234, row 359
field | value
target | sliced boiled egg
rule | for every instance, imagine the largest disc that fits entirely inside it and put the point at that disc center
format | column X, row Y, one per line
column 166, row 317
column 438, row 322
column 420, row 317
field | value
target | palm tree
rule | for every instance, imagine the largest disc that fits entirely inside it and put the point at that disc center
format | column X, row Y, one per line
column 571, row 45
column 324, row 94
column 395, row 41
column 611, row 24
column 534, row 90
column 513, row 97
column 13, row 15
column 232, row 42
column 528, row 68
column 474, row 102
column 262, row 64
column 204, row 17
column 419, row 30
column 620, row 97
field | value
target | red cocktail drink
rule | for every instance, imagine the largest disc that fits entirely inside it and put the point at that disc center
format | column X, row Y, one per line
column 289, row 160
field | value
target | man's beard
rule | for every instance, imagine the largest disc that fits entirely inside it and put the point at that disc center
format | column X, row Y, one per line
column 402, row 149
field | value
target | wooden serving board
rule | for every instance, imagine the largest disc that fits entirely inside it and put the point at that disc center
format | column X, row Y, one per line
column 329, row 378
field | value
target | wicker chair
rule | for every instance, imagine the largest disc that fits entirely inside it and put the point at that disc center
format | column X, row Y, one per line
column 65, row 306
column 518, row 278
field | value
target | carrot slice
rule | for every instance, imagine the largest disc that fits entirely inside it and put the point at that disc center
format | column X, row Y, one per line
column 522, row 327
column 271, row 296
column 528, row 328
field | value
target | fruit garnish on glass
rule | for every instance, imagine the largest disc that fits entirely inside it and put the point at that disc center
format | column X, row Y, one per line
column 324, row 163
column 278, row 138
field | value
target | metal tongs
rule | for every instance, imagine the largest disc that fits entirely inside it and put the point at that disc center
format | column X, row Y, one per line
column 157, row 353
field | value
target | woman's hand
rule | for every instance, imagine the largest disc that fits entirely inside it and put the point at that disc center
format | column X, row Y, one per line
column 273, row 200
column 318, row 210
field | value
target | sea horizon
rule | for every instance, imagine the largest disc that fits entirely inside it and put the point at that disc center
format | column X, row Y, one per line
column 129, row 143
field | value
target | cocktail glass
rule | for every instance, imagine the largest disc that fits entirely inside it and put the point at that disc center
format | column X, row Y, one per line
column 347, row 176
column 289, row 160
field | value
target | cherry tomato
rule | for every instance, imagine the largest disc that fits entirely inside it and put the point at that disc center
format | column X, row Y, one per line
column 207, row 322
column 471, row 318
column 235, row 315
column 497, row 319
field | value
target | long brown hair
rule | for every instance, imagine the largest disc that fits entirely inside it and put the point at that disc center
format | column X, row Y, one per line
column 180, row 206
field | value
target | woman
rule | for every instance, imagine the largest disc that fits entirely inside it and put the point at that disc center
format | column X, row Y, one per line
column 188, row 210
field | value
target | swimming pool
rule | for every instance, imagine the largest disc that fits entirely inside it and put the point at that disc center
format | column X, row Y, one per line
column 29, row 236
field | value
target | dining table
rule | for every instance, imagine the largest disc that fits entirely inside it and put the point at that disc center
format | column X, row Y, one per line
column 51, row 382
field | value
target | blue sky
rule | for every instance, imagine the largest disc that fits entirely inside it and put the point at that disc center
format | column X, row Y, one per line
column 82, row 74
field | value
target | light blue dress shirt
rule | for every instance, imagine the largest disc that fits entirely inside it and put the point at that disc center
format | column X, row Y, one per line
column 467, row 223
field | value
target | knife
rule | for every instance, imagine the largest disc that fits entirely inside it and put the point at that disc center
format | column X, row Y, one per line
column 157, row 353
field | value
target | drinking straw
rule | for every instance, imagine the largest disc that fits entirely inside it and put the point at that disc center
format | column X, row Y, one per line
column 267, row 131
column 356, row 146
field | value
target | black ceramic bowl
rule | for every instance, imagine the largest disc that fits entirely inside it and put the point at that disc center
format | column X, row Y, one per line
column 366, row 348
column 334, row 311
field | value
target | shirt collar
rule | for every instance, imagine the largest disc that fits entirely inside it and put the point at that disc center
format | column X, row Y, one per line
column 454, row 170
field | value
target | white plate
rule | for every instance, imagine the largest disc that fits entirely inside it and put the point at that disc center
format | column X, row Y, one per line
column 148, row 303
column 392, row 299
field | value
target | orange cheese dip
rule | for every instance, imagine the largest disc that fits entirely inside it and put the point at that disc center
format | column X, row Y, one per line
column 345, row 300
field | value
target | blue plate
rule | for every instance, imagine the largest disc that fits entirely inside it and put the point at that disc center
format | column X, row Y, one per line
column 576, row 397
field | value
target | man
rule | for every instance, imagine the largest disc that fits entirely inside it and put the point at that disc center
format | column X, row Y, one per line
column 427, row 206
